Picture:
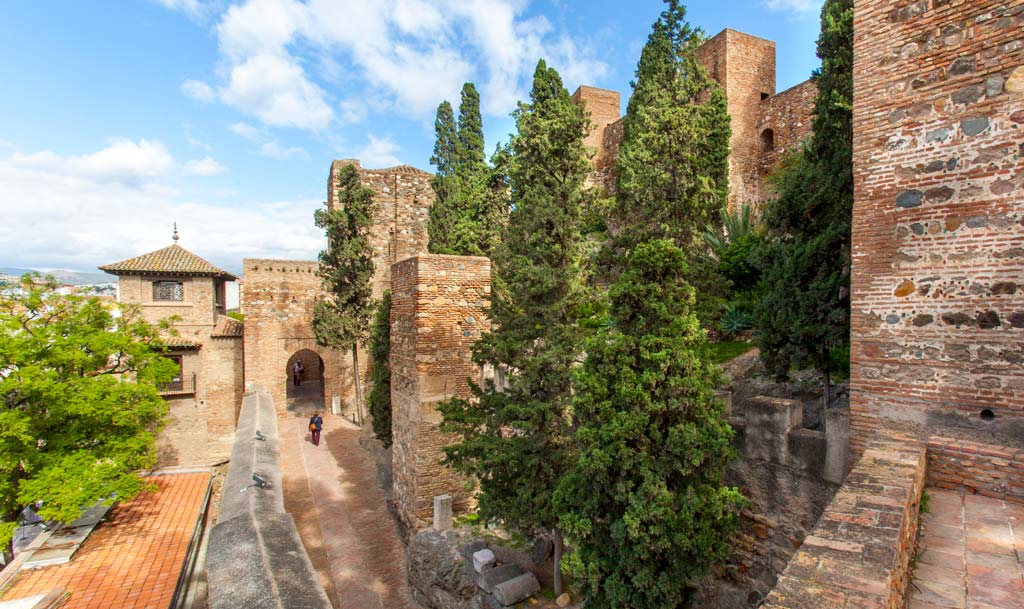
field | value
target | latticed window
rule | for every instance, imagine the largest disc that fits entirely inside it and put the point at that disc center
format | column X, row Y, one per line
column 168, row 290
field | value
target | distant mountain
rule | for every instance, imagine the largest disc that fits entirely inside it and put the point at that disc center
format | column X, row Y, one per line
column 69, row 277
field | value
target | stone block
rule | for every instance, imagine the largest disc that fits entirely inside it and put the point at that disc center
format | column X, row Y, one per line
column 837, row 443
column 492, row 577
column 483, row 559
column 442, row 512
column 769, row 421
column 516, row 589
column 542, row 548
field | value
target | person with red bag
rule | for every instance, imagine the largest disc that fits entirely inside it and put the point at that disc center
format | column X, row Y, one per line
column 316, row 425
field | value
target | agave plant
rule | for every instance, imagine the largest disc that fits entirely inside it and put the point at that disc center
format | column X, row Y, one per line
column 734, row 227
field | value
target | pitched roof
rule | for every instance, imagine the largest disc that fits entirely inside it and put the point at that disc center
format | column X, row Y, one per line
column 227, row 327
column 172, row 260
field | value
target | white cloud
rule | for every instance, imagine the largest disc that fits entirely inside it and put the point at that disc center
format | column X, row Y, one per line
column 246, row 130
column 199, row 90
column 192, row 8
column 122, row 160
column 275, row 150
column 80, row 221
column 194, row 141
column 206, row 166
column 407, row 55
column 275, row 89
column 379, row 152
column 796, row 6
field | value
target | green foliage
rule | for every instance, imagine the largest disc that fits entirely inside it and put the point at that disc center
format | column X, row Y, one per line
column 379, row 401
column 732, row 245
column 805, row 259
column 471, row 201
column 644, row 505
column 673, row 164
column 346, row 266
column 79, row 404
column 236, row 315
column 517, row 442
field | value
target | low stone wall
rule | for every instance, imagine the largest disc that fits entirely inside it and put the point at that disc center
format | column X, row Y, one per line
column 858, row 554
column 256, row 557
column 983, row 469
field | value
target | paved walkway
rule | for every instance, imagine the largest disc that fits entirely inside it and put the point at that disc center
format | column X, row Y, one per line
column 970, row 554
column 332, row 492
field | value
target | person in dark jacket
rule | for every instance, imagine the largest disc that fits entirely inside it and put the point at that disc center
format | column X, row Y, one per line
column 316, row 425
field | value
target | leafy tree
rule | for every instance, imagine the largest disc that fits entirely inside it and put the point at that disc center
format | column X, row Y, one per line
column 471, row 200
column 518, row 441
column 346, row 267
column 806, row 259
column 673, row 166
column 72, row 432
column 379, row 402
column 644, row 504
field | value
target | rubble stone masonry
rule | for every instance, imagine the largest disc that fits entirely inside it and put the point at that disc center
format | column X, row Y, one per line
column 938, row 230
column 439, row 309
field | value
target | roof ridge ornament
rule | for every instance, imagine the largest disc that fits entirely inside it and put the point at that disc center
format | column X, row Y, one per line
column 175, row 236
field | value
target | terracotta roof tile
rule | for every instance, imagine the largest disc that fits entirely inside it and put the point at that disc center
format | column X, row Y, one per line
column 227, row 327
column 174, row 260
column 132, row 561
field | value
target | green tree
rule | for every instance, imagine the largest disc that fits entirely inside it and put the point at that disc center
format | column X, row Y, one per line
column 517, row 441
column 471, row 198
column 673, row 166
column 379, row 402
column 470, row 153
column 341, row 320
column 805, row 317
column 644, row 504
column 72, row 432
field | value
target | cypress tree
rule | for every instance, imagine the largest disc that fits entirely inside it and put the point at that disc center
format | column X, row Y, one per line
column 379, row 401
column 517, row 442
column 346, row 268
column 471, row 197
column 470, row 152
column 806, row 259
column 673, row 166
column 644, row 505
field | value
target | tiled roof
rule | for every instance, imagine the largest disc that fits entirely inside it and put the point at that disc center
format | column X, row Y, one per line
column 227, row 327
column 177, row 342
column 133, row 561
column 405, row 169
column 172, row 260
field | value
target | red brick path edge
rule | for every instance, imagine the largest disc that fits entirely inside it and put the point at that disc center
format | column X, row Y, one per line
column 859, row 552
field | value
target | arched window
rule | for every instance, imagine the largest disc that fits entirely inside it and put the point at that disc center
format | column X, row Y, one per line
column 768, row 140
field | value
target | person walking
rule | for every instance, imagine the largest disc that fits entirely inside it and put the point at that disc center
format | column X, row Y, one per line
column 297, row 374
column 316, row 425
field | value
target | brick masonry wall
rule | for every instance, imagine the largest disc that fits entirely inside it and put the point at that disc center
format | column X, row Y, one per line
column 938, row 227
column 604, row 107
column 858, row 555
column 993, row 471
column 789, row 115
column 439, row 309
column 279, row 297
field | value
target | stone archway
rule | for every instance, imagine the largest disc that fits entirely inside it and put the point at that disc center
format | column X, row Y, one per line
column 308, row 393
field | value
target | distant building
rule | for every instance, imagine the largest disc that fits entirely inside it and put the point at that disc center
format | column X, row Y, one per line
column 206, row 344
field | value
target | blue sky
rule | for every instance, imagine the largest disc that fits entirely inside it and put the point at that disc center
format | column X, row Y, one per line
column 224, row 116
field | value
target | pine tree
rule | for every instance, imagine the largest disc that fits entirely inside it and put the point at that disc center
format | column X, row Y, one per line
column 346, row 268
column 673, row 166
column 644, row 505
column 379, row 401
column 517, row 442
column 806, row 258
column 471, row 199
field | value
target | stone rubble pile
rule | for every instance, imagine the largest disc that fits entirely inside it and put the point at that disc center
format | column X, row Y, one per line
column 504, row 585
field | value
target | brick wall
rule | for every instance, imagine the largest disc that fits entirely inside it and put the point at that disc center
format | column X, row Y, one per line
column 938, row 227
column 279, row 297
column 438, row 310
column 858, row 555
column 788, row 117
column 604, row 107
column 973, row 467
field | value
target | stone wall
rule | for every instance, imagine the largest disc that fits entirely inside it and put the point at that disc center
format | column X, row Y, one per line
column 604, row 107
column 439, row 309
column 403, row 196
column 938, row 227
column 973, row 467
column 279, row 297
column 859, row 553
column 784, row 120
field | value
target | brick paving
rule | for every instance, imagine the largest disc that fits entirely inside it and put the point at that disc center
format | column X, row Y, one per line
column 970, row 554
column 131, row 561
column 341, row 512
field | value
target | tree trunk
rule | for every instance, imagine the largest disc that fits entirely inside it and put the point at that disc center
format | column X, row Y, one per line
column 359, row 387
column 557, row 559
